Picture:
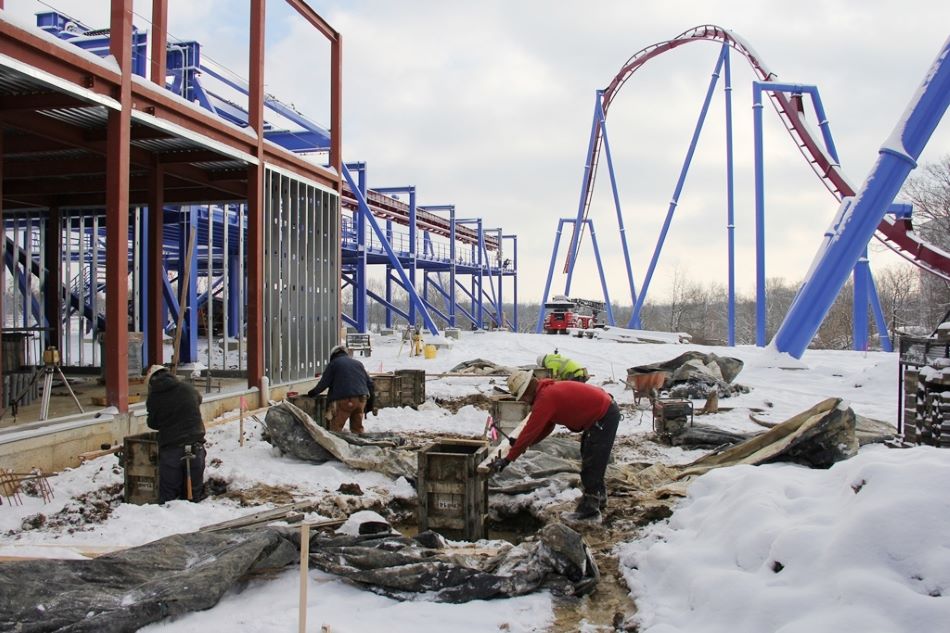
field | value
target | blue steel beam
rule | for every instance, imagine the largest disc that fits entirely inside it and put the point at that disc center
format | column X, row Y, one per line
column 730, row 207
column 602, row 117
column 638, row 307
column 414, row 298
column 547, row 282
column 514, row 260
column 897, row 157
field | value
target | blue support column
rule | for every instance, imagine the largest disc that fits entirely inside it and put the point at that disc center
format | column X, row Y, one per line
column 500, row 304
column 359, row 289
column 414, row 298
column 389, row 278
column 634, row 320
column 452, row 262
column 758, row 159
column 234, row 294
column 514, row 261
column 189, row 337
column 757, row 89
column 142, row 238
column 897, row 157
column 679, row 187
column 879, row 317
column 481, row 275
column 862, row 276
column 581, row 204
column 412, row 250
column 600, row 269
column 730, row 207
column 547, row 283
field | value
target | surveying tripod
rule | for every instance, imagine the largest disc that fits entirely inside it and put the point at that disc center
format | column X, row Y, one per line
column 51, row 366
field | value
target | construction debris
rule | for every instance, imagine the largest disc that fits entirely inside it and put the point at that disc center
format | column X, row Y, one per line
column 296, row 434
column 694, row 375
column 558, row 559
column 136, row 587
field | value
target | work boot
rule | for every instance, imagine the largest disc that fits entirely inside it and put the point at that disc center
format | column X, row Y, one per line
column 587, row 508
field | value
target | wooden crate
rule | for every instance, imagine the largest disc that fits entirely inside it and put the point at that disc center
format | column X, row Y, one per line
column 412, row 387
column 388, row 388
column 315, row 407
column 453, row 497
column 508, row 412
column 361, row 343
column 543, row 372
column 140, row 459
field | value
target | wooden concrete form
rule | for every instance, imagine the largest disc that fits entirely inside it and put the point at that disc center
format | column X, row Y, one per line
column 453, row 495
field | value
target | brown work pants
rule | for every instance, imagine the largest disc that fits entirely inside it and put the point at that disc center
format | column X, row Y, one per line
column 339, row 411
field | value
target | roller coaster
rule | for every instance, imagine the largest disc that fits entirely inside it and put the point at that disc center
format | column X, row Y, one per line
column 843, row 249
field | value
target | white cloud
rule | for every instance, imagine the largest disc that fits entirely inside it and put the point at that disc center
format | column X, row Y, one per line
column 488, row 105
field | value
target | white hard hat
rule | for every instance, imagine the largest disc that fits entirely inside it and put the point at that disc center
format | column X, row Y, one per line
column 518, row 383
column 154, row 369
column 541, row 358
column 339, row 349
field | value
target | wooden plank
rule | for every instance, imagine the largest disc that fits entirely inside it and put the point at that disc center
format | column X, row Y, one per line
column 102, row 401
column 182, row 295
column 265, row 515
column 247, row 414
column 496, row 451
column 83, row 457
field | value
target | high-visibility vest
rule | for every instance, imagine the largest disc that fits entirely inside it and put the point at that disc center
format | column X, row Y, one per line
column 564, row 368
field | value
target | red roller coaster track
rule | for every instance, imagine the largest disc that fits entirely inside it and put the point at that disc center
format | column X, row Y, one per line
column 897, row 234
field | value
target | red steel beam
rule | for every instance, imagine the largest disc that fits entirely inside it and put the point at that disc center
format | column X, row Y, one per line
column 117, row 212
column 42, row 101
column 76, row 137
column 3, row 276
column 76, row 68
column 336, row 109
column 159, row 40
column 311, row 16
column 255, row 202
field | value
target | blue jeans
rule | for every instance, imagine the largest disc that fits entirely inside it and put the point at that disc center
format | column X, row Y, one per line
column 172, row 473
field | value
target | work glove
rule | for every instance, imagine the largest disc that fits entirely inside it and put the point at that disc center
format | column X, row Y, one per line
column 498, row 465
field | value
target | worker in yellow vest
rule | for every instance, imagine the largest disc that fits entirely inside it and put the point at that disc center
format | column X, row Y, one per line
column 563, row 368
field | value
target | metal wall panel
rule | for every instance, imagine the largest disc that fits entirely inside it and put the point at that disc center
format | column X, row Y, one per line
column 301, row 276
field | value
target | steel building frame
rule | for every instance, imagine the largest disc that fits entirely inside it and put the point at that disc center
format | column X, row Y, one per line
column 104, row 140
column 232, row 200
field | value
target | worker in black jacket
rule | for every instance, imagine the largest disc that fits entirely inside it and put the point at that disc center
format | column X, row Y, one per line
column 351, row 391
column 174, row 411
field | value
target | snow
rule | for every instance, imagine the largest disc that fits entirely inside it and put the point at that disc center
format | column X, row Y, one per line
column 861, row 546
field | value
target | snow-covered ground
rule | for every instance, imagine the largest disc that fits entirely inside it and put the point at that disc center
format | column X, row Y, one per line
column 862, row 546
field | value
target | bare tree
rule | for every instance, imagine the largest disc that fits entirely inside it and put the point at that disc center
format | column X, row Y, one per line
column 929, row 191
column 898, row 288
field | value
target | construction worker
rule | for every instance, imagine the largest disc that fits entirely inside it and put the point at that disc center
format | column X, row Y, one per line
column 581, row 408
column 563, row 368
column 351, row 391
column 174, row 411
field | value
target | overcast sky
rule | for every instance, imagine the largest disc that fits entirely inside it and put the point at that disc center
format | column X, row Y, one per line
column 487, row 105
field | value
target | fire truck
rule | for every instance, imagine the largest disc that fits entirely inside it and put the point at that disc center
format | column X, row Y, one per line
column 564, row 313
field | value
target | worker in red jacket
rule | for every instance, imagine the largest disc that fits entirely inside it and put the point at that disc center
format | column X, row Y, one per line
column 581, row 408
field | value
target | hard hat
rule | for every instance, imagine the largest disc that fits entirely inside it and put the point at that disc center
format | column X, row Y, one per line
column 518, row 383
column 339, row 349
column 541, row 358
column 154, row 369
